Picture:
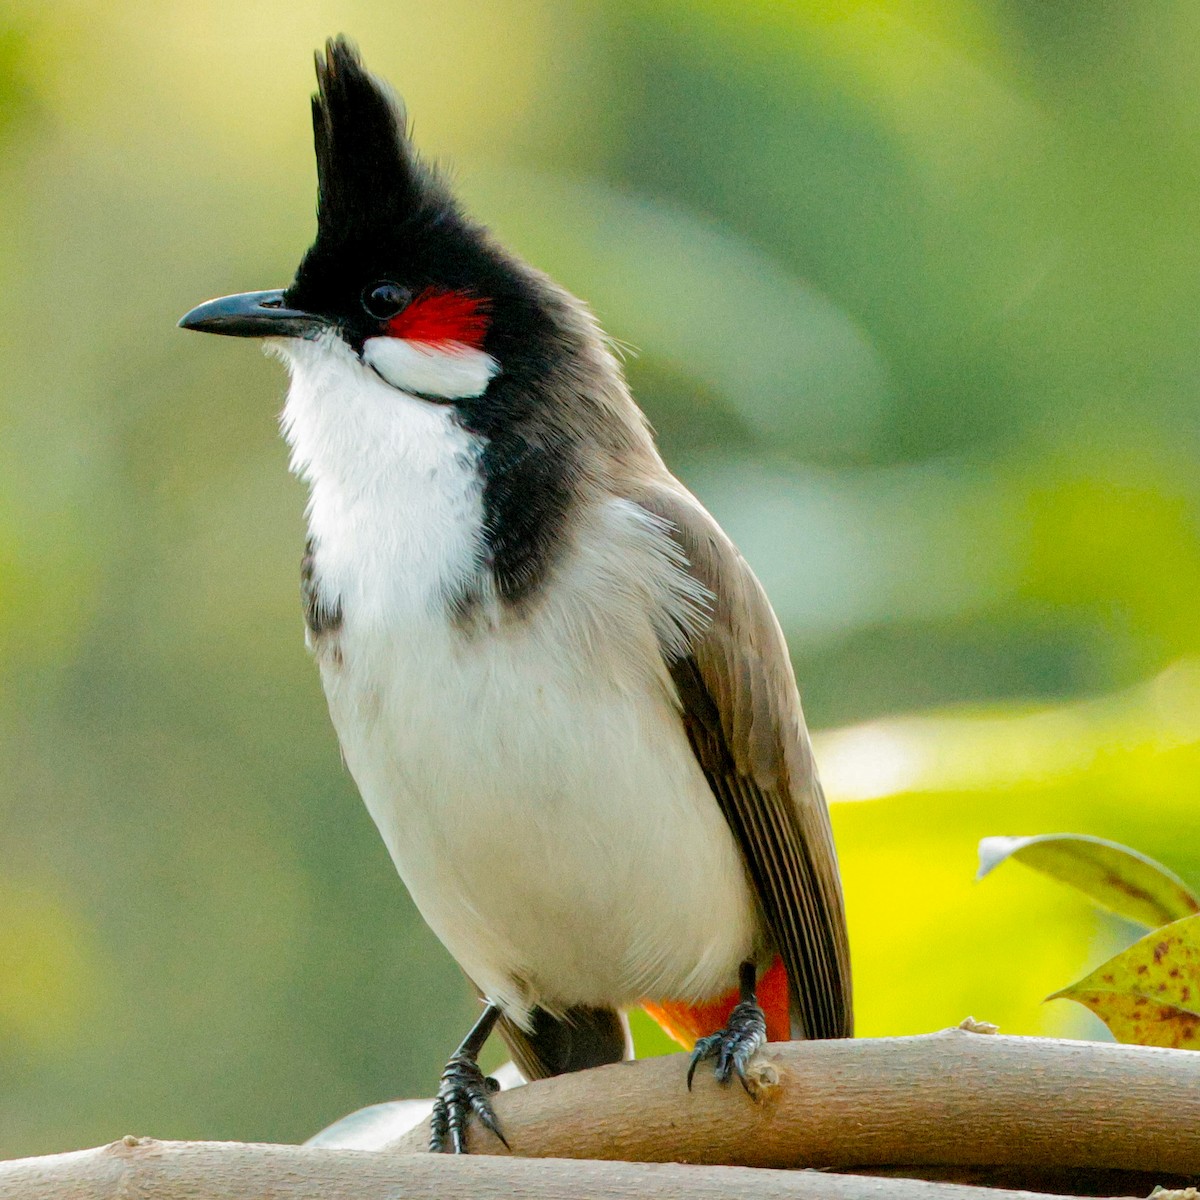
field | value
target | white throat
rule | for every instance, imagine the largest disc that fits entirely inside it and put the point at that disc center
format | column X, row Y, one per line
column 395, row 508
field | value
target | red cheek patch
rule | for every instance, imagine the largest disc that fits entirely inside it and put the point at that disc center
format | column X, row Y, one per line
column 437, row 317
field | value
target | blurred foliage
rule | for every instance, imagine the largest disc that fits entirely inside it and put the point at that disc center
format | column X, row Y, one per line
column 912, row 288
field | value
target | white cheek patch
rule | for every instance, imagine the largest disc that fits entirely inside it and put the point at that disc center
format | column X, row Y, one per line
column 447, row 370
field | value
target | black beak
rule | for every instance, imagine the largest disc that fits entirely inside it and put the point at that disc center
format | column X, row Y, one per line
column 252, row 314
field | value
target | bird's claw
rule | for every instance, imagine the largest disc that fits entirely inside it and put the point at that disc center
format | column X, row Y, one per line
column 734, row 1046
column 464, row 1089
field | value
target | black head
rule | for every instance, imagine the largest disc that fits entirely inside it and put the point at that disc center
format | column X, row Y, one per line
column 388, row 229
column 390, row 239
column 397, row 270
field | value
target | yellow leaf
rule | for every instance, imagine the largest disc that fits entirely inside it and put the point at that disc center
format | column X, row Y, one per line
column 1149, row 994
column 1122, row 880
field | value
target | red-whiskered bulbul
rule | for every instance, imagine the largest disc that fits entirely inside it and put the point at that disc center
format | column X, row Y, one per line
column 559, row 688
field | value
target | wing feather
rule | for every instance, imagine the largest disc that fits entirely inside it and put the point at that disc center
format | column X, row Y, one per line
column 739, row 704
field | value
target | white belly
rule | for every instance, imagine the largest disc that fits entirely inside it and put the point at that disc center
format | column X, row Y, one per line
column 553, row 827
column 531, row 776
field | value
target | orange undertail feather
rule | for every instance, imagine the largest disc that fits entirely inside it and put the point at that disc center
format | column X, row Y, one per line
column 687, row 1023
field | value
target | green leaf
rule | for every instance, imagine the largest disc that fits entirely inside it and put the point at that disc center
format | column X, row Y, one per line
column 1127, row 883
column 1149, row 994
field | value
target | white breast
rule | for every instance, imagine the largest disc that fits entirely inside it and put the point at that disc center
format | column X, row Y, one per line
column 531, row 776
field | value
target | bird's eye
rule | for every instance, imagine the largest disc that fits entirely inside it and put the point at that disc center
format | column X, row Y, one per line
column 384, row 300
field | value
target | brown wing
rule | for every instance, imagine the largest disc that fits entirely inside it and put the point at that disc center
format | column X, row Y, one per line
column 742, row 713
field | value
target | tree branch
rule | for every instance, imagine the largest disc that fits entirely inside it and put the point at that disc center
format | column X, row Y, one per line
column 955, row 1104
column 143, row 1169
column 953, row 1098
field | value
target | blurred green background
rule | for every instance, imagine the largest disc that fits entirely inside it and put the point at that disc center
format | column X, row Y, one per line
column 912, row 288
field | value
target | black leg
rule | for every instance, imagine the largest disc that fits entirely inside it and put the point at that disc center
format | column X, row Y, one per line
column 734, row 1046
column 464, row 1090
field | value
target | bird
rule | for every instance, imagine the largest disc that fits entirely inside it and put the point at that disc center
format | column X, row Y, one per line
column 560, row 690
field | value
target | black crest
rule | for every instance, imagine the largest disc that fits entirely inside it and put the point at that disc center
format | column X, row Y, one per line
column 367, row 170
column 382, row 213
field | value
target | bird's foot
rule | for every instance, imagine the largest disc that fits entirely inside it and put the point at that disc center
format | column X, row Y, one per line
column 734, row 1046
column 464, row 1089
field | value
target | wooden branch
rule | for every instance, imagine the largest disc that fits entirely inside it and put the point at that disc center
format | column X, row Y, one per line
column 143, row 1169
column 954, row 1098
column 955, row 1104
